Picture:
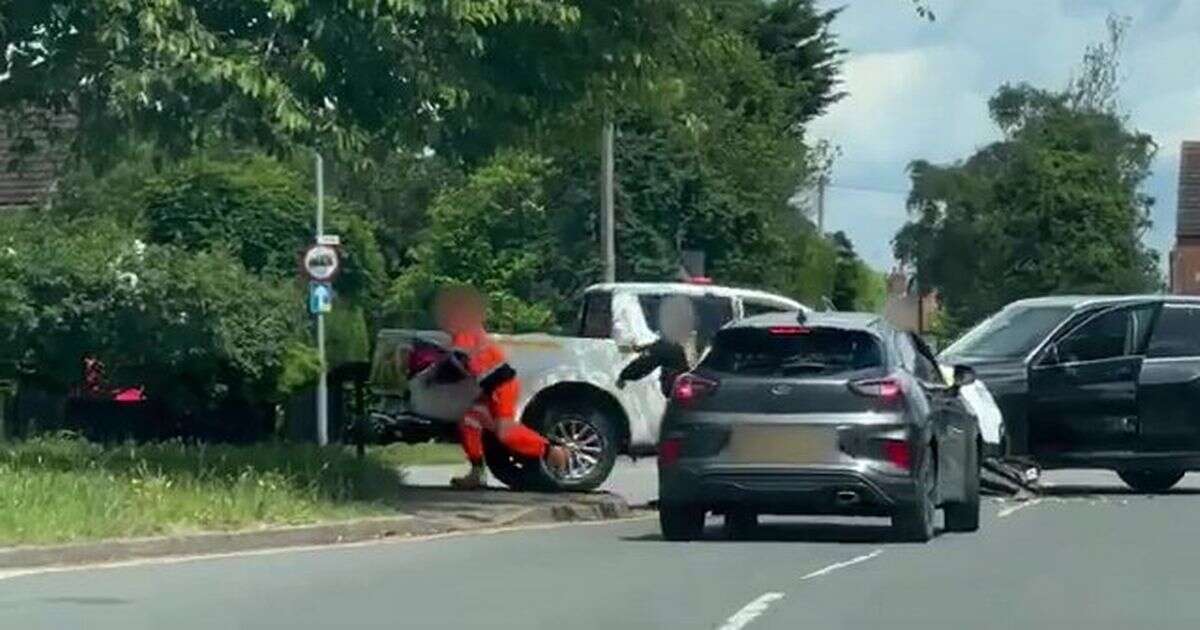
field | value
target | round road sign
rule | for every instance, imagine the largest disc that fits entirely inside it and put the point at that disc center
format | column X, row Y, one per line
column 321, row 263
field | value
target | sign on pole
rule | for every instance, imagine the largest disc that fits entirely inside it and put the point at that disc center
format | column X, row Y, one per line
column 321, row 263
column 320, row 298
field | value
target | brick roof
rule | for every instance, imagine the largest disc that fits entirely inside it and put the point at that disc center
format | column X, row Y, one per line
column 1188, row 220
column 26, row 180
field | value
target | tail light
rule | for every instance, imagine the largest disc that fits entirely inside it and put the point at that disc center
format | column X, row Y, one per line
column 885, row 389
column 787, row 331
column 689, row 388
column 898, row 453
column 669, row 451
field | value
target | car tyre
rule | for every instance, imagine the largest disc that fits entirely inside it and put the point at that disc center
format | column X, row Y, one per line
column 681, row 522
column 964, row 516
column 593, row 437
column 1151, row 481
column 740, row 524
column 915, row 523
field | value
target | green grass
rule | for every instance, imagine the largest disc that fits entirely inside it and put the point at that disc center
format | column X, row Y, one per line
column 61, row 490
column 426, row 454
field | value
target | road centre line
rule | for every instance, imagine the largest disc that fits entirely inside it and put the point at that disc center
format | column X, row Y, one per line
column 750, row 611
column 841, row 565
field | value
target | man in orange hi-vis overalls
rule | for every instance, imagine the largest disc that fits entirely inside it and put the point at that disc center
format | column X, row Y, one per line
column 461, row 313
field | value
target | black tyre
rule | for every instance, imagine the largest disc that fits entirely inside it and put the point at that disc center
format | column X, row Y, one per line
column 915, row 523
column 589, row 433
column 681, row 522
column 1151, row 480
column 518, row 473
column 740, row 524
column 964, row 516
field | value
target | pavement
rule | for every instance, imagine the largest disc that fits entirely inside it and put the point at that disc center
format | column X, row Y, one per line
column 1088, row 554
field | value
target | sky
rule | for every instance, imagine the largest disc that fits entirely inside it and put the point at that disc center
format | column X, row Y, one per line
column 919, row 90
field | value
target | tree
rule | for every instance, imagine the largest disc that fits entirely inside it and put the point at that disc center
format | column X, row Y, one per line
column 1054, row 207
column 344, row 74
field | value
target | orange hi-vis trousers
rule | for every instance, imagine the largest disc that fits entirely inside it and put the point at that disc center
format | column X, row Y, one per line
column 497, row 406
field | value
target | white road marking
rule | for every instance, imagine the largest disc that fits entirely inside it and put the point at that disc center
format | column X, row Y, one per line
column 9, row 574
column 1009, row 511
column 750, row 611
column 842, row 565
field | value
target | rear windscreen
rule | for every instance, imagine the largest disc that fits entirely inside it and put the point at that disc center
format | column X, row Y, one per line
column 792, row 351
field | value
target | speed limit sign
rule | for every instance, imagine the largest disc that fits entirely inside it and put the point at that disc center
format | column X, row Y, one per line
column 321, row 263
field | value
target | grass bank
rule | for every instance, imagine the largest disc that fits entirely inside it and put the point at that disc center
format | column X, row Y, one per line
column 62, row 490
column 428, row 454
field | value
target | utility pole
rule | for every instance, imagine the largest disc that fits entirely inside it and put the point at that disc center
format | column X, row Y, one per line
column 322, row 382
column 607, row 236
column 821, row 183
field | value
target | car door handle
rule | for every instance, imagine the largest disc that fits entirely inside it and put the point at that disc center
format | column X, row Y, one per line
column 956, row 430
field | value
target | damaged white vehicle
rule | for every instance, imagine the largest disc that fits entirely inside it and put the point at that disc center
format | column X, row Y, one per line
column 569, row 386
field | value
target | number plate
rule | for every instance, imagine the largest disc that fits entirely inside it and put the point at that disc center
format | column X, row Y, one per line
column 782, row 444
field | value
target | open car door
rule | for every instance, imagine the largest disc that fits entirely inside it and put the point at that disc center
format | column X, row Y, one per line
column 1083, row 385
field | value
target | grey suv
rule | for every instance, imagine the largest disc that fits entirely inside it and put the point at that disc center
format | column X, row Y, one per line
column 829, row 413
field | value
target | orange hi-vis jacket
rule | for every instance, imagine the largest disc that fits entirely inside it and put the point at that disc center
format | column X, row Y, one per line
column 496, row 410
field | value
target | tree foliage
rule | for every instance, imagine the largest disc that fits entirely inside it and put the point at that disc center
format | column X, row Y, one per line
column 1054, row 207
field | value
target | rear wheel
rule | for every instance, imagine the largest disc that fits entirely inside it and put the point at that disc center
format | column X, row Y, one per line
column 964, row 516
column 591, row 436
column 681, row 522
column 1151, row 480
column 740, row 524
column 915, row 523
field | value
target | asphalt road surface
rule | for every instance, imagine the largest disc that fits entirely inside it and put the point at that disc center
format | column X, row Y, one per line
column 1088, row 555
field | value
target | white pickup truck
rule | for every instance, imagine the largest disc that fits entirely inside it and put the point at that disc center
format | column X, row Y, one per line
column 568, row 384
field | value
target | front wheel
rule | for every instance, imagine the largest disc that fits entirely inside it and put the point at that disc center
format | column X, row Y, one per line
column 589, row 433
column 1151, row 480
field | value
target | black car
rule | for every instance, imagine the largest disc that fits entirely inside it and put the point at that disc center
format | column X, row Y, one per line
column 1095, row 382
column 830, row 413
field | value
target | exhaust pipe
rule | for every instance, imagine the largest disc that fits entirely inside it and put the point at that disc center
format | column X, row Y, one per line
column 847, row 497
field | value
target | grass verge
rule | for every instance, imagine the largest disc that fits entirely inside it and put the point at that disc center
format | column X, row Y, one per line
column 62, row 490
column 430, row 453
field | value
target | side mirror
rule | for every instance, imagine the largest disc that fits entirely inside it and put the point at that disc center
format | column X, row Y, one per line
column 963, row 376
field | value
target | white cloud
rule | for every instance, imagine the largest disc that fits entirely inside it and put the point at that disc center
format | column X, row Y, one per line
column 920, row 90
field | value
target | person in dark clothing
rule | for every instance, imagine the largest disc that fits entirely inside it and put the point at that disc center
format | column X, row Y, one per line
column 668, row 355
column 671, row 352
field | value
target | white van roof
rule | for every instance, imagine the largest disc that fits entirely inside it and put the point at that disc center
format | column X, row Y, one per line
column 696, row 289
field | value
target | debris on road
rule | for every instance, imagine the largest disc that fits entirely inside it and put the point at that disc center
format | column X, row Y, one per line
column 1007, row 479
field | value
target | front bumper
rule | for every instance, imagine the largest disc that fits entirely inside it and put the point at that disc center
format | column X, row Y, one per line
column 838, row 490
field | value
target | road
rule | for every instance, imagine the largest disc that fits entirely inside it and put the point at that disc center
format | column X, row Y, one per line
column 1089, row 556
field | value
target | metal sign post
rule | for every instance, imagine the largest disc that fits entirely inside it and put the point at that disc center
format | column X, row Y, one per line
column 322, row 381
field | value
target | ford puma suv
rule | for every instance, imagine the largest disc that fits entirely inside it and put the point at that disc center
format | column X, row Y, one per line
column 824, row 413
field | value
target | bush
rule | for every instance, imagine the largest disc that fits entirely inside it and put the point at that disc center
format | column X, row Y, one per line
column 189, row 325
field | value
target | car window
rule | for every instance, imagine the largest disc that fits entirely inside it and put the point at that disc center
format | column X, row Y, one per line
column 596, row 319
column 792, row 352
column 1177, row 333
column 1113, row 334
column 1010, row 334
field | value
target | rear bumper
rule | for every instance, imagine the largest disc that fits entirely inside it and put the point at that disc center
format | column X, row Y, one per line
column 786, row 490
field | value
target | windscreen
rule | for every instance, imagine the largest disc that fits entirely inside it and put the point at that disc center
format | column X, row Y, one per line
column 793, row 351
column 1010, row 334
